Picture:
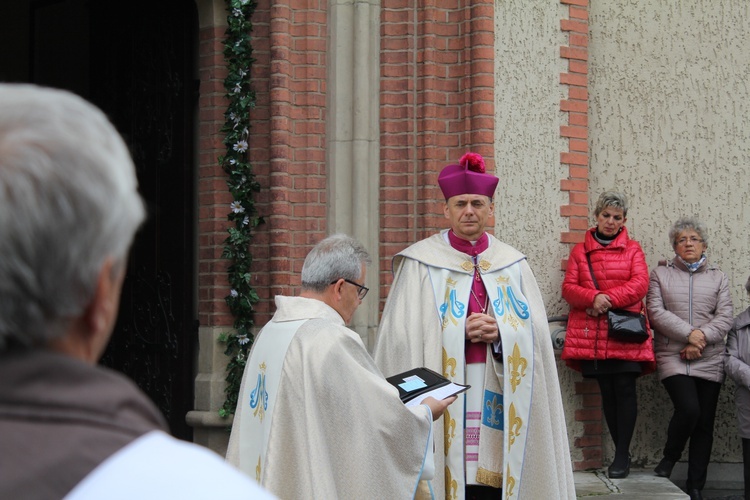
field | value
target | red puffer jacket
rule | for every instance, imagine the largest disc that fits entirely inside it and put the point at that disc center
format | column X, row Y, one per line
column 622, row 274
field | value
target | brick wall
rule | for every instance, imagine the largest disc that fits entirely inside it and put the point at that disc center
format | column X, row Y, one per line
column 213, row 196
column 437, row 102
column 287, row 152
column 588, row 400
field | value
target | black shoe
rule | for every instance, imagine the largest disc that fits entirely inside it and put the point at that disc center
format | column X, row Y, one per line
column 615, row 471
column 695, row 494
column 664, row 469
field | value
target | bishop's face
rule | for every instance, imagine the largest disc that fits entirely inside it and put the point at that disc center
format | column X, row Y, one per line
column 468, row 215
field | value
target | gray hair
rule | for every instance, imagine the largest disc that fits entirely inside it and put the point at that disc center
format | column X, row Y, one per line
column 614, row 199
column 68, row 201
column 335, row 257
column 747, row 285
column 685, row 224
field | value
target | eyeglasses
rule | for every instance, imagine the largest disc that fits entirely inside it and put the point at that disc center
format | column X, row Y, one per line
column 692, row 239
column 361, row 289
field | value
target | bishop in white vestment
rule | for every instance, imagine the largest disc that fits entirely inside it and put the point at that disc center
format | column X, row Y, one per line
column 468, row 306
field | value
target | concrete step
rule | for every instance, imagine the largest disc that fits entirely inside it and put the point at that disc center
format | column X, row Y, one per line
column 640, row 484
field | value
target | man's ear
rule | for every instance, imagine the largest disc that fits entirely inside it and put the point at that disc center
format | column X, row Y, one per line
column 101, row 313
column 336, row 289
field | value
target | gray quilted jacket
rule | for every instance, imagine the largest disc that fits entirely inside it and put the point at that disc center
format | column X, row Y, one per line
column 737, row 364
column 679, row 301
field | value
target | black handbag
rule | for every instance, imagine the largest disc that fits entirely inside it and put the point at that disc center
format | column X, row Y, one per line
column 622, row 325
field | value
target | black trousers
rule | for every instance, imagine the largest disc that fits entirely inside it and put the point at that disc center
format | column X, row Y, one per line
column 746, row 465
column 694, row 401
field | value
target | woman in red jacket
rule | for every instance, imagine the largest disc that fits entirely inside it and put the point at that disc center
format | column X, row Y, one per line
column 621, row 273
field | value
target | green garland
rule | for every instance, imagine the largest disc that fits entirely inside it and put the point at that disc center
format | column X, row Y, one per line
column 242, row 185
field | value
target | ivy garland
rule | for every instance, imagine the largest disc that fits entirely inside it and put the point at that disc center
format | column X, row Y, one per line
column 238, row 55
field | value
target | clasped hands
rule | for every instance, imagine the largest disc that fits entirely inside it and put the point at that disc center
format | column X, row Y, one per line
column 481, row 327
column 601, row 305
column 696, row 344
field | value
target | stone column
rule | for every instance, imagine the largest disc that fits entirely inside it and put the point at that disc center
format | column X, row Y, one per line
column 353, row 137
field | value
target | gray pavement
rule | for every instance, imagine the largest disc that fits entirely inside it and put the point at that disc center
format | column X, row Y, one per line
column 640, row 484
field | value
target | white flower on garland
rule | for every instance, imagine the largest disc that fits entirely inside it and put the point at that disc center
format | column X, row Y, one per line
column 246, row 221
column 240, row 146
column 237, row 12
column 234, row 293
column 237, row 88
column 237, row 208
column 242, row 339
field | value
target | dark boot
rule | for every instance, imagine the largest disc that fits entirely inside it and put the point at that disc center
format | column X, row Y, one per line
column 619, row 469
column 664, row 469
column 695, row 494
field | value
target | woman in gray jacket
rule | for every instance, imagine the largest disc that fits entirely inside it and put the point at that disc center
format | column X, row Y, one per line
column 690, row 310
column 737, row 364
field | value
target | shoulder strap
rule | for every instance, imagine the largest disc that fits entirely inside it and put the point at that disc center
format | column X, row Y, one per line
column 591, row 270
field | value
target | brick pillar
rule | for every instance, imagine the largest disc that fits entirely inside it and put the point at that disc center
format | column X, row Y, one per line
column 588, row 400
column 437, row 95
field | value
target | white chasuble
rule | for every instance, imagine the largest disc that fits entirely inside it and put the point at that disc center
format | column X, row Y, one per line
column 317, row 419
column 501, row 392
column 417, row 328
column 258, row 396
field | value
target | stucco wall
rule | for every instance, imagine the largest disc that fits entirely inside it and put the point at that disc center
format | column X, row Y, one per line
column 669, row 125
column 527, row 151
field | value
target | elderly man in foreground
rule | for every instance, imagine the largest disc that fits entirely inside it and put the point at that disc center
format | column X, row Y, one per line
column 315, row 417
column 69, row 207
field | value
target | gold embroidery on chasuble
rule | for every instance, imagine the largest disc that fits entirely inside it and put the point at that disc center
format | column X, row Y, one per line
column 451, row 485
column 449, row 365
column 510, row 484
column 257, row 471
column 495, row 411
column 517, row 367
column 514, row 426
column 449, row 429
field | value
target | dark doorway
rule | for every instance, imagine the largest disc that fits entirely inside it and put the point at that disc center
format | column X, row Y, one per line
column 135, row 60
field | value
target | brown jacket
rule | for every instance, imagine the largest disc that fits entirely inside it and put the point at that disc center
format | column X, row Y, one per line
column 679, row 301
column 59, row 418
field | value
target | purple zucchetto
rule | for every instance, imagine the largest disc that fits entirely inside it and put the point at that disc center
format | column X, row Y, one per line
column 468, row 177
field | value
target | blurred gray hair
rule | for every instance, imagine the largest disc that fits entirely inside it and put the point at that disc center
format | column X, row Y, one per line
column 747, row 285
column 335, row 257
column 685, row 224
column 68, row 201
column 614, row 199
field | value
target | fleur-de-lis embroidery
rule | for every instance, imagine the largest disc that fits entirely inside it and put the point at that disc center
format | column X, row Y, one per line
column 518, row 365
column 451, row 308
column 449, row 365
column 494, row 413
column 449, row 429
column 451, row 485
column 514, row 426
column 257, row 470
column 259, row 395
column 510, row 484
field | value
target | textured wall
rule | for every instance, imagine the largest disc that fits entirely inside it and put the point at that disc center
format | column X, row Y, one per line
column 527, row 137
column 669, row 125
column 527, row 153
